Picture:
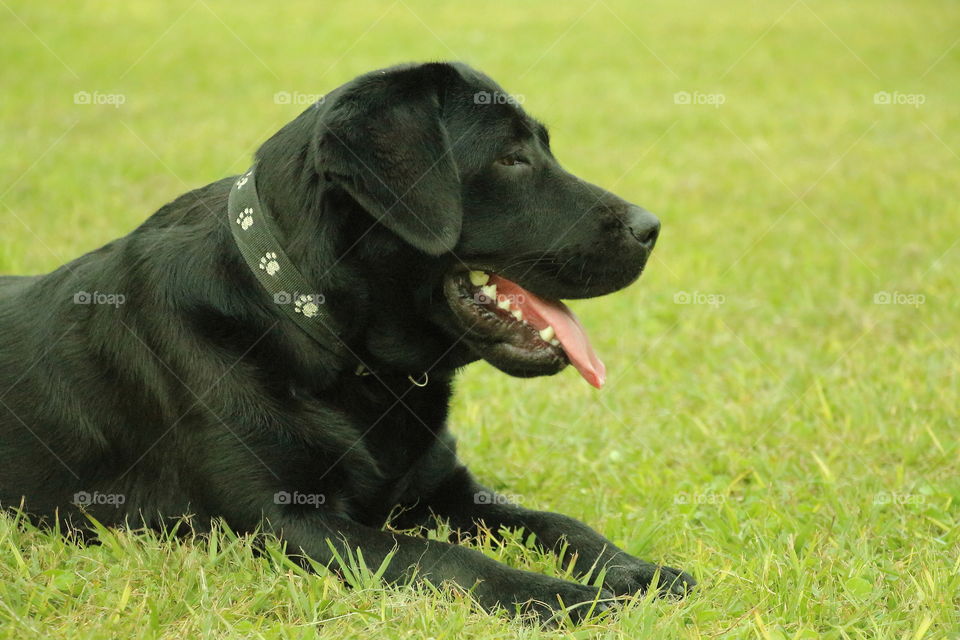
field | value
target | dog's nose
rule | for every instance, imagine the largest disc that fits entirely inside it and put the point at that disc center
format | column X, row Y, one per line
column 643, row 226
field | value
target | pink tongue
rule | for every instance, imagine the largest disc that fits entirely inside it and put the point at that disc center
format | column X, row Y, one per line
column 539, row 313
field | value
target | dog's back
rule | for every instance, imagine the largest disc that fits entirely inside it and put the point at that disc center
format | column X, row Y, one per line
column 79, row 377
column 28, row 391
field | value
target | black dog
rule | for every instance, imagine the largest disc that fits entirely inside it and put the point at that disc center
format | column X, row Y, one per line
column 422, row 211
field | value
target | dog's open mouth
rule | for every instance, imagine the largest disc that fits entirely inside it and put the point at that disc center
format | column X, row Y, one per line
column 517, row 331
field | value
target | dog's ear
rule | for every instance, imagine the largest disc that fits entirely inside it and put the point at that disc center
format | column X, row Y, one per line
column 382, row 139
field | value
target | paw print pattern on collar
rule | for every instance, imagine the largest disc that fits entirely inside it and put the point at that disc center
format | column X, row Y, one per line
column 253, row 231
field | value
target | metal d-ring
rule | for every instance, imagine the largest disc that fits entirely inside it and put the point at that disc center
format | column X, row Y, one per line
column 425, row 381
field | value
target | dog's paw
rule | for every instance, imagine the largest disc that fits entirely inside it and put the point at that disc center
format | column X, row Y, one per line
column 548, row 600
column 627, row 576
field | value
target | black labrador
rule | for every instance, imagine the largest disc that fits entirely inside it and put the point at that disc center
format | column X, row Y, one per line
column 428, row 225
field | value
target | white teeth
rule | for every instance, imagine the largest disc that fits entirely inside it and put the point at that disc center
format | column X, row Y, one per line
column 555, row 342
column 517, row 314
column 547, row 334
column 479, row 278
column 504, row 304
column 490, row 291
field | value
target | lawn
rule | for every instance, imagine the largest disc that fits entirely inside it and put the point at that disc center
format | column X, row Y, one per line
column 781, row 412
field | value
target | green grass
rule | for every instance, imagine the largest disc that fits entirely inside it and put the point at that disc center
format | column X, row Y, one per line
column 795, row 447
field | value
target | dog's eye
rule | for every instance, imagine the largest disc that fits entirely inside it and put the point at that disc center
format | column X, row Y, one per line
column 513, row 160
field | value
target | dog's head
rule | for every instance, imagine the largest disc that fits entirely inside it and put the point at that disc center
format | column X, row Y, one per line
column 453, row 218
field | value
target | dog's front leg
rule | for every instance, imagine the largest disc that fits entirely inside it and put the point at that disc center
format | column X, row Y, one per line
column 467, row 504
column 493, row 584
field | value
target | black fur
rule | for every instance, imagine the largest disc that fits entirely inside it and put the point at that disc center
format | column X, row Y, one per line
column 198, row 396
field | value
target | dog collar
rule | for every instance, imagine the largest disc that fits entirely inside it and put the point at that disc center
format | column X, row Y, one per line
column 257, row 236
